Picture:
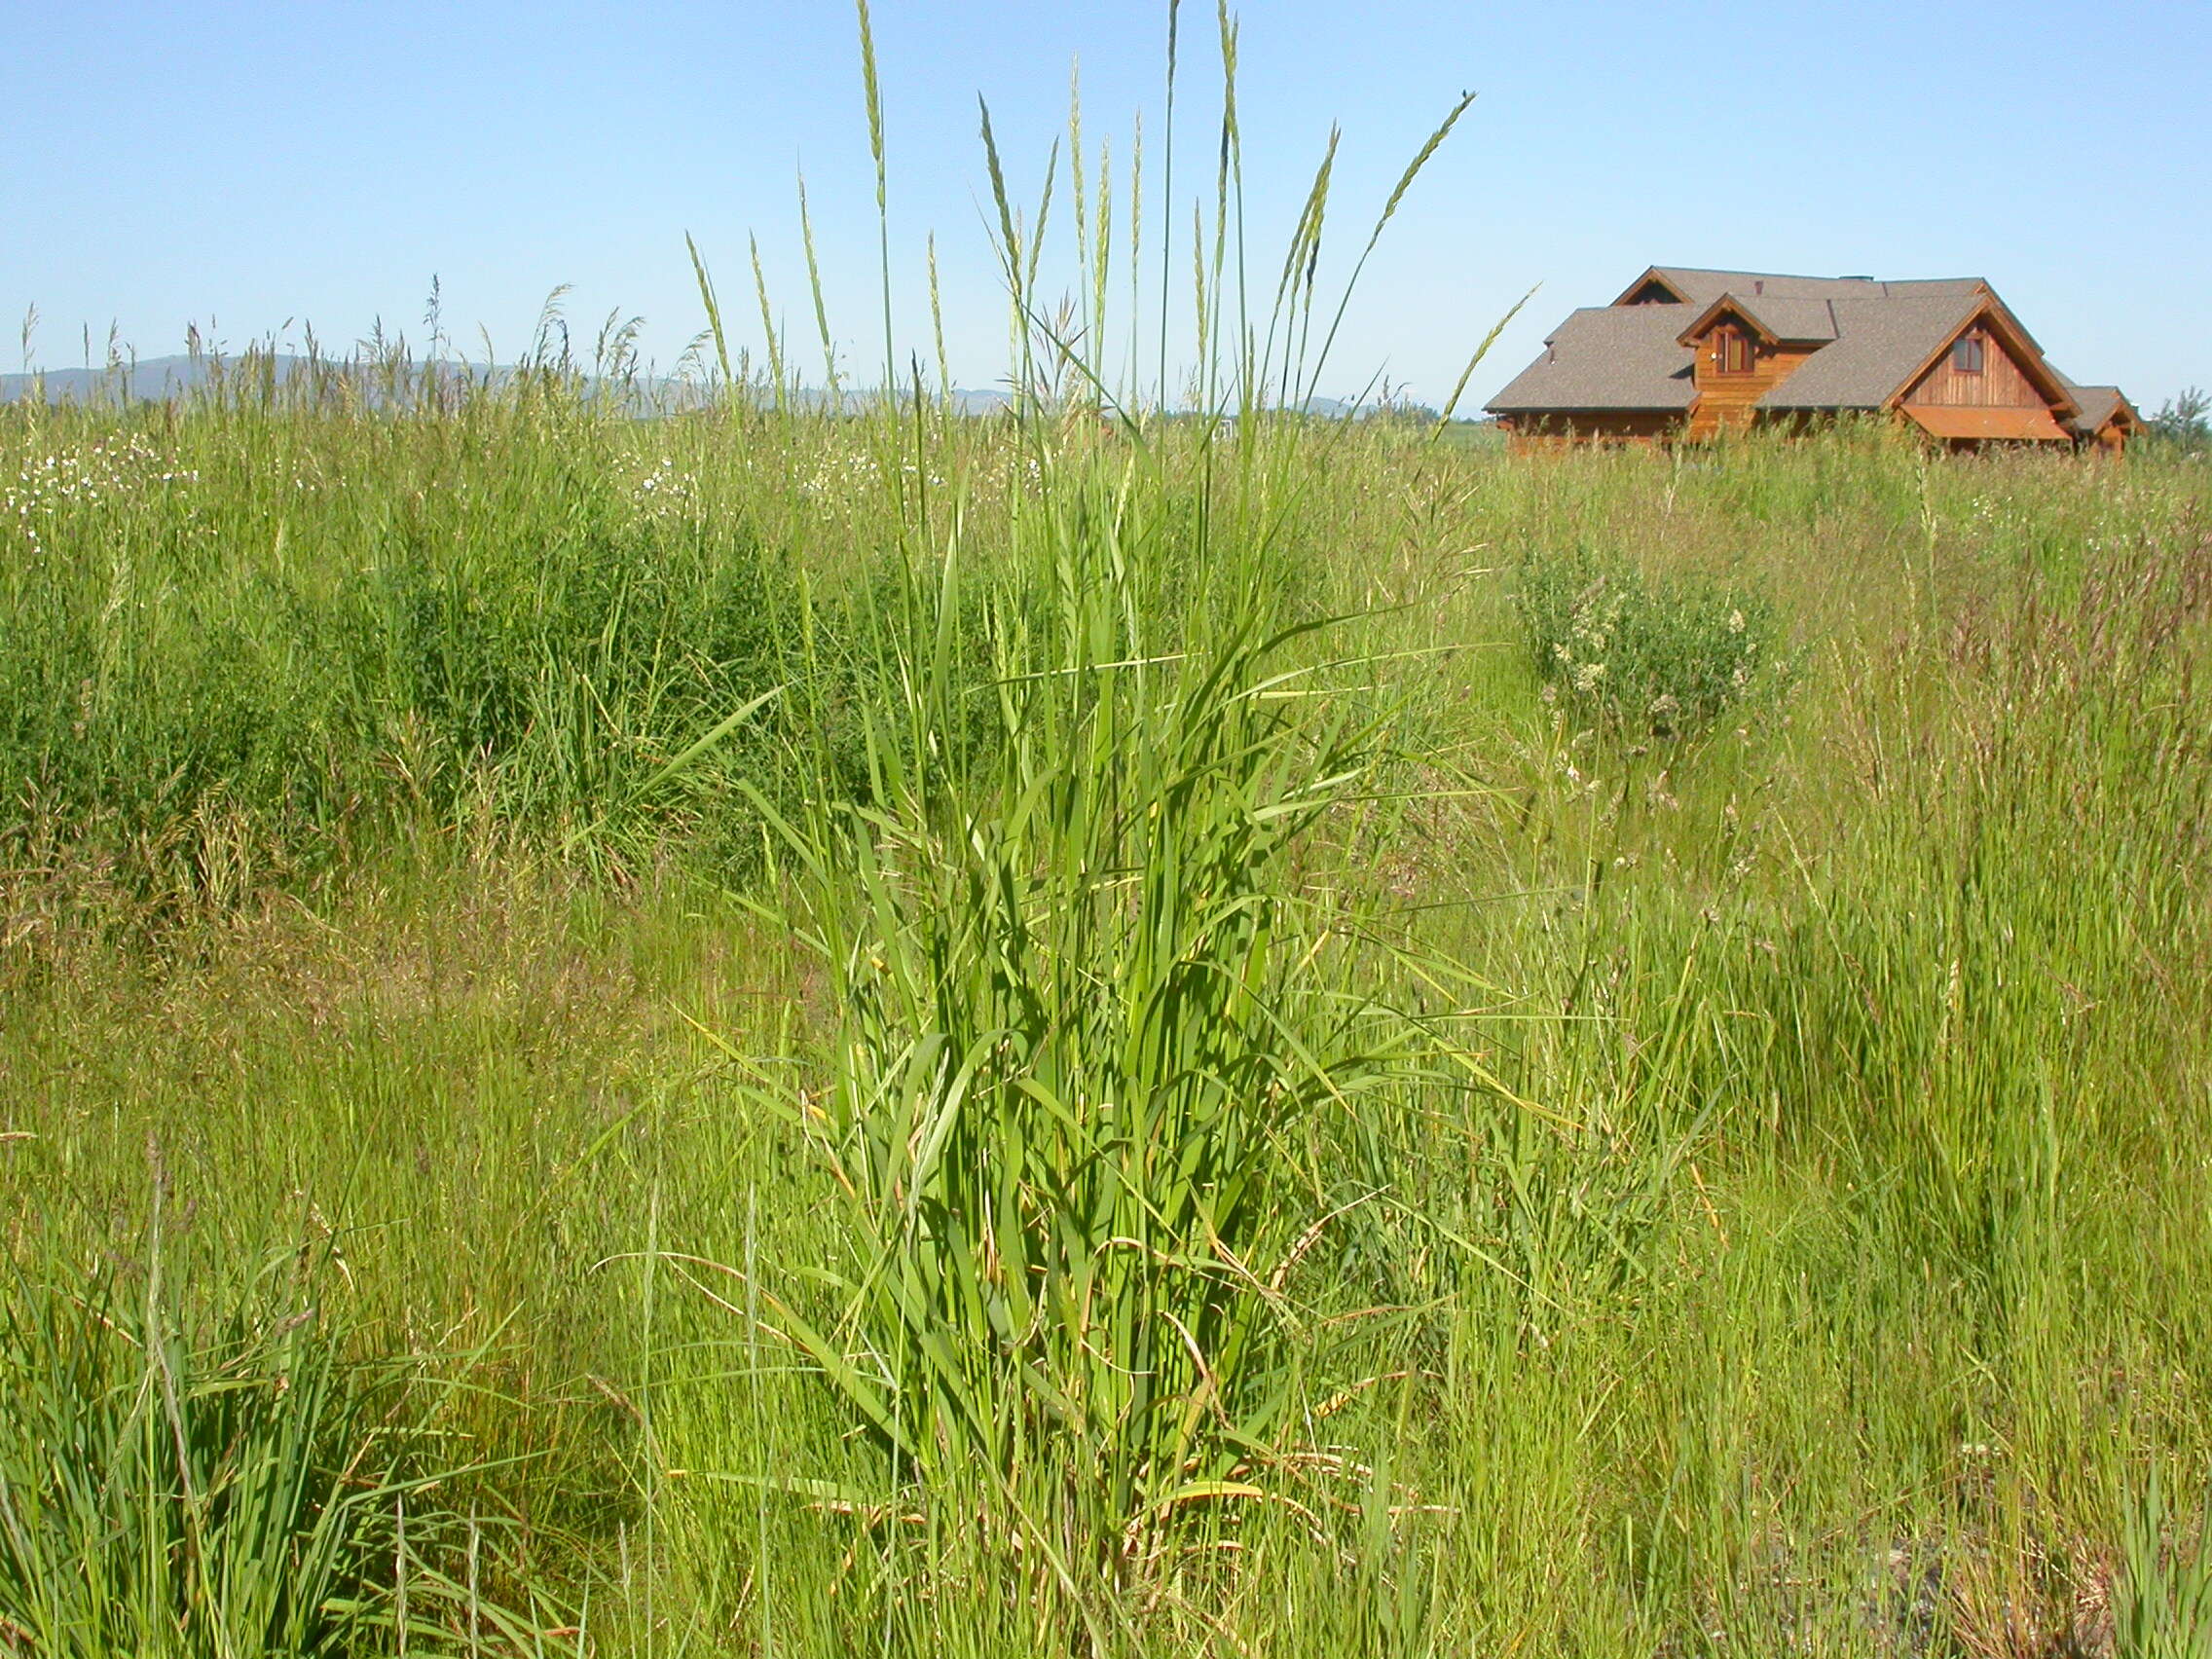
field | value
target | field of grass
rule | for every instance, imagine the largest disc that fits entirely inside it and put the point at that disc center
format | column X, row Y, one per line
column 756, row 1032
column 1734, row 1174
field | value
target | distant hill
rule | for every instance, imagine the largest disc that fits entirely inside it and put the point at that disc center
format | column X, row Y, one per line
column 148, row 380
column 154, row 380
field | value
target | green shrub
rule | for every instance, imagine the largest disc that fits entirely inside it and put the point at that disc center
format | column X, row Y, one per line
column 1617, row 648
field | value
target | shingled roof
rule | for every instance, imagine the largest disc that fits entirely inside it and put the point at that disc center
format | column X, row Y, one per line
column 1701, row 287
column 1607, row 357
column 2098, row 405
column 1776, row 318
column 1878, row 344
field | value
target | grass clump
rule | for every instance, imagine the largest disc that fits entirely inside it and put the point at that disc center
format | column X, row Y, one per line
column 1089, row 1004
column 2162, row 1602
column 221, row 1482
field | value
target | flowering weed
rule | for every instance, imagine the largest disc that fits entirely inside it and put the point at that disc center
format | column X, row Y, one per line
column 1619, row 649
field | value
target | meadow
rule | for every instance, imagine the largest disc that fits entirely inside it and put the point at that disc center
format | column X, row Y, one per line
column 756, row 1030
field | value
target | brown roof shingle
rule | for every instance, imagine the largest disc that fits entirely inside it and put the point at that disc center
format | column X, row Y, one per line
column 1701, row 287
column 2098, row 404
column 1607, row 357
column 1878, row 345
column 1788, row 318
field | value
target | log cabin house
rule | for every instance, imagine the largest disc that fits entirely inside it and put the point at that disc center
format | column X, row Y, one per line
column 1687, row 354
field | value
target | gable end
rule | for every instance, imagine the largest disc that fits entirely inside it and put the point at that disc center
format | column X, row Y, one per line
column 1651, row 289
column 1986, row 364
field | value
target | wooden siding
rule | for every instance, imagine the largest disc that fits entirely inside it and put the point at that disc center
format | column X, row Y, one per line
column 2000, row 385
column 1726, row 401
column 1533, row 434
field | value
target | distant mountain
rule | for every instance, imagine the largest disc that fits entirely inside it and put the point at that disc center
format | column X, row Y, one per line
column 150, row 378
column 154, row 380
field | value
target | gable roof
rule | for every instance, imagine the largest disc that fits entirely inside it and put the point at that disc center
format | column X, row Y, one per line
column 1883, row 347
column 2099, row 405
column 1775, row 319
column 1700, row 286
column 1879, row 346
column 1607, row 357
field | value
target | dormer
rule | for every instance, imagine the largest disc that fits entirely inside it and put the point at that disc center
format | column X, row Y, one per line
column 1732, row 345
column 1743, row 347
column 1651, row 289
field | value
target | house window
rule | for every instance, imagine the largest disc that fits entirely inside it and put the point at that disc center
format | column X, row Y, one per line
column 1967, row 354
column 1731, row 351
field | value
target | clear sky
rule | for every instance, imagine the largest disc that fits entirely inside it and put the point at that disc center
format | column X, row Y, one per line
column 249, row 164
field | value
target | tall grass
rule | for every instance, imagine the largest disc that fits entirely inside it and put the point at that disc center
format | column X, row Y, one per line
column 222, row 1480
column 1090, row 1000
column 1853, row 1209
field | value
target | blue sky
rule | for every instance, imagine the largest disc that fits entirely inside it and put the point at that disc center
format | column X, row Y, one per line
column 250, row 162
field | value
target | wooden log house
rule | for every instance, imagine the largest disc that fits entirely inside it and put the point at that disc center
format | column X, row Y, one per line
column 1688, row 354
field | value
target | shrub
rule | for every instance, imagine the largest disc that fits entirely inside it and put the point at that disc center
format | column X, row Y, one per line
column 1617, row 648
column 2184, row 423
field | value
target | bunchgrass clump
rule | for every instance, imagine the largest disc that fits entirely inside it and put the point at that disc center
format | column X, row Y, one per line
column 1089, row 1006
column 2163, row 1595
column 223, row 1482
